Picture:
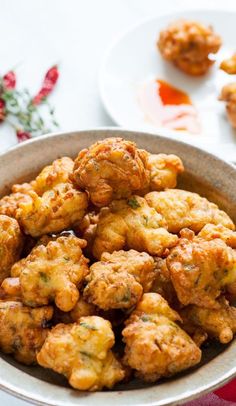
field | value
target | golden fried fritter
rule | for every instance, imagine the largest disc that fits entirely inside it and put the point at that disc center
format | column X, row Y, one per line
column 188, row 45
column 217, row 323
column 111, row 169
column 228, row 94
column 119, row 279
column 155, row 345
column 57, row 209
column 229, row 65
column 82, row 352
column 212, row 231
column 181, row 209
column 52, row 175
column 200, row 269
column 10, row 203
column 23, row 330
column 163, row 171
column 132, row 224
column 53, row 273
column 11, row 244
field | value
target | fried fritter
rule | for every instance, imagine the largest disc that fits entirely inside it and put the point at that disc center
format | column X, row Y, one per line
column 200, row 269
column 188, row 45
column 163, row 171
column 57, row 209
column 132, row 224
column 11, row 244
column 229, row 65
column 52, row 175
column 228, row 94
column 10, row 203
column 82, row 352
column 217, row 323
column 23, row 330
column 111, row 169
column 87, row 228
column 155, row 345
column 212, row 231
column 119, row 279
column 53, row 272
column 181, row 209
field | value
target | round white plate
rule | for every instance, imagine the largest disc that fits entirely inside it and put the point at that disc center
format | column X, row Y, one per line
column 134, row 59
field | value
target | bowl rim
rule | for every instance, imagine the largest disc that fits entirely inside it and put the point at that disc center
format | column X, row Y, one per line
column 21, row 390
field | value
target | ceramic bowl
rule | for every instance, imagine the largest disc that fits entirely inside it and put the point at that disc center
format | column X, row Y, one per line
column 204, row 174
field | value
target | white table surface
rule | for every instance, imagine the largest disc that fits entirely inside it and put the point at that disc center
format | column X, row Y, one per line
column 75, row 34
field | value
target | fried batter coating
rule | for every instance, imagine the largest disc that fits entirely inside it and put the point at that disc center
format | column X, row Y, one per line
column 228, row 94
column 163, row 171
column 11, row 244
column 52, row 175
column 200, row 269
column 229, row 65
column 87, row 228
column 162, row 282
column 53, row 273
column 132, row 224
column 82, row 309
column 111, row 169
column 82, row 352
column 11, row 289
column 23, row 330
column 119, row 279
column 155, row 345
column 217, row 323
column 10, row 203
column 57, row 209
column 188, row 45
column 181, row 209
column 212, row 231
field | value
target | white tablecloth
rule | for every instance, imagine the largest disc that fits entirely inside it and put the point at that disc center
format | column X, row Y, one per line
column 74, row 34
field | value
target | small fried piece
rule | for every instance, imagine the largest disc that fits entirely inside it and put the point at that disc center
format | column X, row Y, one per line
column 11, row 288
column 57, row 209
column 200, row 269
column 11, row 244
column 163, row 171
column 228, row 94
column 183, row 209
column 10, row 203
column 53, row 273
column 162, row 283
column 82, row 309
column 217, row 323
column 155, row 345
column 188, row 45
column 229, row 65
column 212, row 231
column 82, row 352
column 87, row 228
column 23, row 330
column 110, row 169
column 132, row 224
column 52, row 175
column 119, row 279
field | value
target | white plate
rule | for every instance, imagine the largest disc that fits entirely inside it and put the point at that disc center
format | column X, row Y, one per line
column 134, row 58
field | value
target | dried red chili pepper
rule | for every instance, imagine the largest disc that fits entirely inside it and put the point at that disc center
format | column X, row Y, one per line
column 48, row 85
column 22, row 135
column 2, row 110
column 9, row 80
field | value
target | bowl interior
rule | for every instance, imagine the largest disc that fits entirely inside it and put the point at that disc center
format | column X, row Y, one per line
column 204, row 174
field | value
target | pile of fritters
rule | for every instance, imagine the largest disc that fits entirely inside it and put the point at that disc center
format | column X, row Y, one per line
column 108, row 272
